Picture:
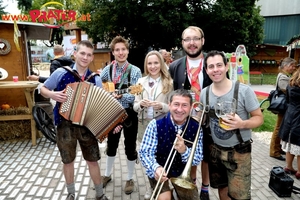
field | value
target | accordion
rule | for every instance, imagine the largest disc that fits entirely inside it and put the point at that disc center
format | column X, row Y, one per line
column 92, row 107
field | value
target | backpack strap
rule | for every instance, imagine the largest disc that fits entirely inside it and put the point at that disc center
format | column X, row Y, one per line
column 236, row 96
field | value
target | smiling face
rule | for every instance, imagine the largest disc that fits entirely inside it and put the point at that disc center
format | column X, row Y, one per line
column 84, row 56
column 120, row 52
column 216, row 68
column 153, row 65
column 180, row 108
column 192, row 42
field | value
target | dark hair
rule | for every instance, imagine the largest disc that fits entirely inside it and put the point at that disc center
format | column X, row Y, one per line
column 183, row 93
column 215, row 53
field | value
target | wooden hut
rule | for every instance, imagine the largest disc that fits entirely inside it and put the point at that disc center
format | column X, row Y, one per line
column 17, row 62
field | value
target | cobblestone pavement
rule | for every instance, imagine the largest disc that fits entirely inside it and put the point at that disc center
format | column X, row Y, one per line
column 35, row 172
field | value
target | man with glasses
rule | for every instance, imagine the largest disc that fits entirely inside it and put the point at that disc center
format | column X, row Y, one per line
column 187, row 73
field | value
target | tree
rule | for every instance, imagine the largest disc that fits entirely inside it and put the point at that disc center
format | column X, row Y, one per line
column 2, row 7
column 159, row 24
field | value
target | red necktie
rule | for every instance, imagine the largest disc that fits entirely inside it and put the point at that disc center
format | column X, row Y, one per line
column 194, row 74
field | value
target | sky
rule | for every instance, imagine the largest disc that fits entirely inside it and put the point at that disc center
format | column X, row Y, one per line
column 12, row 6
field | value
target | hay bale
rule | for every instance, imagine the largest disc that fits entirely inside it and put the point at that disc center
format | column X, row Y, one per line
column 17, row 129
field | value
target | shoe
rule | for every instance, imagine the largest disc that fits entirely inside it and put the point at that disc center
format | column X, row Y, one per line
column 148, row 194
column 279, row 158
column 103, row 197
column 129, row 187
column 204, row 196
column 105, row 180
column 290, row 171
column 297, row 175
column 70, row 196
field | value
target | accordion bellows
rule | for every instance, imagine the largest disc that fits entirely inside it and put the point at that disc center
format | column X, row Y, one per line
column 92, row 107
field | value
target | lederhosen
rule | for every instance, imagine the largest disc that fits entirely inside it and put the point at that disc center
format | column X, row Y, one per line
column 130, row 128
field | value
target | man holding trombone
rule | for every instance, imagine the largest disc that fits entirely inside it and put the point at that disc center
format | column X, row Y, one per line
column 169, row 144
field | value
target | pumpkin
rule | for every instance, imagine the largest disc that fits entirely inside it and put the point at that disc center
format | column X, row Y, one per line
column 5, row 106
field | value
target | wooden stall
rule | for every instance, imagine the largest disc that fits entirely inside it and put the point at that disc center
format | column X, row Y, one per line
column 268, row 58
column 15, row 59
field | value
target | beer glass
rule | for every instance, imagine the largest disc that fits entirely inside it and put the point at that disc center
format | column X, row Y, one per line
column 223, row 108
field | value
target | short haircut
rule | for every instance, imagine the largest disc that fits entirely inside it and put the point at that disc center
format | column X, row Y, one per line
column 85, row 43
column 58, row 49
column 215, row 53
column 118, row 39
column 195, row 28
column 183, row 93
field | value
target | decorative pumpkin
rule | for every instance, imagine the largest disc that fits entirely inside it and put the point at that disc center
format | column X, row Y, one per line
column 5, row 106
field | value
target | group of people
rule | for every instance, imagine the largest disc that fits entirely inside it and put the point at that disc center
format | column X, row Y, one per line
column 286, row 138
column 159, row 118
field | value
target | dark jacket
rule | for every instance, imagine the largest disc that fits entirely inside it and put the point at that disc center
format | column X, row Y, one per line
column 178, row 73
column 291, row 123
column 56, row 63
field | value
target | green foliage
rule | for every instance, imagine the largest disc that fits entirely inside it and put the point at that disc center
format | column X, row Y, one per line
column 159, row 24
column 2, row 7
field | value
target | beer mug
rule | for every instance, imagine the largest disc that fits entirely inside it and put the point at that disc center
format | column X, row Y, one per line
column 223, row 108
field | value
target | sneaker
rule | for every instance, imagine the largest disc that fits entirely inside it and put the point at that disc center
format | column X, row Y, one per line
column 105, row 180
column 70, row 196
column 148, row 194
column 129, row 187
column 103, row 197
column 204, row 196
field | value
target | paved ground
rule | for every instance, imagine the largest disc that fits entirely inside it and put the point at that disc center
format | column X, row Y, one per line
column 35, row 172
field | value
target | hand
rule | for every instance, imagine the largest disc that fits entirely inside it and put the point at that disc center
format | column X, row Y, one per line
column 160, row 170
column 33, row 78
column 180, row 146
column 145, row 103
column 117, row 96
column 59, row 96
column 232, row 122
column 156, row 105
column 117, row 129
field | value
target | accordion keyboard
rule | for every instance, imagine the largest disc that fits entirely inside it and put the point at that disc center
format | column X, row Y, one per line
column 67, row 105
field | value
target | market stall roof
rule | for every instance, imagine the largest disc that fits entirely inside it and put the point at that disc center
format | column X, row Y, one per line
column 35, row 31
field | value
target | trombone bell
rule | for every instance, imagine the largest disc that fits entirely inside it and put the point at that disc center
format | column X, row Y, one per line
column 185, row 190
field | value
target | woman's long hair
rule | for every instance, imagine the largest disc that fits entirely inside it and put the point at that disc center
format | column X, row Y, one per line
column 164, row 73
column 295, row 79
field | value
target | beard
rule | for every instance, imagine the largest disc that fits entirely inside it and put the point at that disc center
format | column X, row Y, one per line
column 195, row 55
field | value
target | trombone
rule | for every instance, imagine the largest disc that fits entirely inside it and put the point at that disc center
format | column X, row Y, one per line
column 183, row 185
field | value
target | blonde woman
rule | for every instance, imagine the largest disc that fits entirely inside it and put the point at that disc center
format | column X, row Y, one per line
column 286, row 69
column 157, row 85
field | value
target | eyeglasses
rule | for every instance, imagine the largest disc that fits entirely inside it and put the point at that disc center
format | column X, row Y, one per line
column 190, row 39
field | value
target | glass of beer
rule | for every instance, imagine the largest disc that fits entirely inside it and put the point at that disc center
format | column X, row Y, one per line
column 223, row 108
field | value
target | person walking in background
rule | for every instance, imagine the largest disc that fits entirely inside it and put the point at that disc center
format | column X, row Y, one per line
column 158, row 142
column 289, row 131
column 153, row 101
column 286, row 68
column 67, row 133
column 122, row 74
column 230, row 157
column 188, row 73
column 58, row 61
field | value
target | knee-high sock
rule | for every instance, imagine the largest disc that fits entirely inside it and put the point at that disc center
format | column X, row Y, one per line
column 130, row 168
column 109, row 164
